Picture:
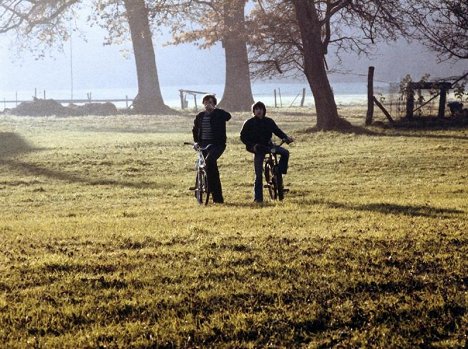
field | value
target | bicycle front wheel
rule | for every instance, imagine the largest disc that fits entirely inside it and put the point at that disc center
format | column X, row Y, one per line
column 202, row 193
column 278, row 178
column 271, row 182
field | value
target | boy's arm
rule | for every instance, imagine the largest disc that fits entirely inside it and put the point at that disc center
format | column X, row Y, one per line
column 225, row 114
column 195, row 129
column 245, row 135
column 277, row 131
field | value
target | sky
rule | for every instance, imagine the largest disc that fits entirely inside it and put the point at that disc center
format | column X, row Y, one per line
column 95, row 66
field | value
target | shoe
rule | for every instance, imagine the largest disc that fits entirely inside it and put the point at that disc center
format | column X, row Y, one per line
column 258, row 201
column 192, row 188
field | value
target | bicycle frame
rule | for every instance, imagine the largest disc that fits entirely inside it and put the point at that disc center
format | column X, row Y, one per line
column 273, row 177
column 202, row 192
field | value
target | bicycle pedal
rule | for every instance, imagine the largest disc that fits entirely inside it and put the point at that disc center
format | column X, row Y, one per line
column 192, row 188
column 285, row 190
column 266, row 186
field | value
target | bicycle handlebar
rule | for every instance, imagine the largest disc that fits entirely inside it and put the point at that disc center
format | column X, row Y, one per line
column 197, row 147
column 281, row 143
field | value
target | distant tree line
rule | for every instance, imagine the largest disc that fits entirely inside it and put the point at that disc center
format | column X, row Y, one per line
column 261, row 38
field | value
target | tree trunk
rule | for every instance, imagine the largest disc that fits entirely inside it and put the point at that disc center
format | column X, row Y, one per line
column 314, row 67
column 237, row 94
column 149, row 98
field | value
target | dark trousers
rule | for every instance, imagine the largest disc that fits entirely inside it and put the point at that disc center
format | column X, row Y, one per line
column 259, row 156
column 212, row 155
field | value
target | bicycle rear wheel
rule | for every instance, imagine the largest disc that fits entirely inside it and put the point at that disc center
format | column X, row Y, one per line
column 201, row 192
column 270, row 180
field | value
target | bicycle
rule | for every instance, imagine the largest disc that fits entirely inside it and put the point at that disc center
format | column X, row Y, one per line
column 273, row 176
column 201, row 188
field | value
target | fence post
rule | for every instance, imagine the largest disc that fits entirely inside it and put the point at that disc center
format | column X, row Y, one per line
column 274, row 94
column 409, row 100
column 442, row 100
column 303, row 96
column 126, row 101
column 279, row 94
column 370, row 96
column 181, row 93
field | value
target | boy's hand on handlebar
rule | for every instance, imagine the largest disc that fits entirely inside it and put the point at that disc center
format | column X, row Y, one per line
column 289, row 140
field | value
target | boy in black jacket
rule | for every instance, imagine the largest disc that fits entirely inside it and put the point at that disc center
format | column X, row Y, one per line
column 256, row 134
column 210, row 128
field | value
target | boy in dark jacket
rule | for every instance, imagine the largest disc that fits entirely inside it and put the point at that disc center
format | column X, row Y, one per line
column 256, row 134
column 210, row 128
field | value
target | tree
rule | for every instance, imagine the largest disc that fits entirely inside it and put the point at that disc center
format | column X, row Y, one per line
column 442, row 25
column 237, row 94
column 48, row 22
column 314, row 50
column 275, row 46
column 220, row 21
column 44, row 23
column 291, row 36
column 149, row 98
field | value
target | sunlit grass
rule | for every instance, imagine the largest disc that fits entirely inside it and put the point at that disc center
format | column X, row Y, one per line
column 104, row 245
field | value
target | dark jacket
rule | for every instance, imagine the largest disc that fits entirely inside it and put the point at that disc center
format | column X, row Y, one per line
column 218, row 125
column 259, row 131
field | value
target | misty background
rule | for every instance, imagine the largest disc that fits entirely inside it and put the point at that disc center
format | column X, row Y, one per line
column 110, row 72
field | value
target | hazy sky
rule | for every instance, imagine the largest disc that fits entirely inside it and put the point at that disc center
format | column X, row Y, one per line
column 97, row 66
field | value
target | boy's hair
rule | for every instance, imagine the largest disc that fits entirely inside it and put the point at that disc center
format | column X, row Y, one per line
column 260, row 105
column 205, row 97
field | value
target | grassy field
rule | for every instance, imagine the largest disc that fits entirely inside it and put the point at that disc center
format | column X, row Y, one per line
column 103, row 245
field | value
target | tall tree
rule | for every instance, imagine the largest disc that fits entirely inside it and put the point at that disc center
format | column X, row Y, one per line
column 47, row 22
column 237, row 94
column 314, row 49
column 219, row 21
column 296, row 35
column 149, row 98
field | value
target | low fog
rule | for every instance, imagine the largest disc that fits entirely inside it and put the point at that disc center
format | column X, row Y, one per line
column 95, row 66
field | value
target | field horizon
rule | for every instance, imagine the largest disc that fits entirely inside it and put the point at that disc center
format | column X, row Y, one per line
column 103, row 245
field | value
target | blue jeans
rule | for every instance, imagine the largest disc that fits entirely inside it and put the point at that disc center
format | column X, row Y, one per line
column 259, row 156
column 214, row 183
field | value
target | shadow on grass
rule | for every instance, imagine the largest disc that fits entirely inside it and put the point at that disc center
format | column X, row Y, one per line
column 252, row 205
column 12, row 145
column 427, row 136
column 349, row 129
column 419, row 132
column 406, row 210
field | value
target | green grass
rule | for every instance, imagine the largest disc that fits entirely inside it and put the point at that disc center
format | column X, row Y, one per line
column 104, row 246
